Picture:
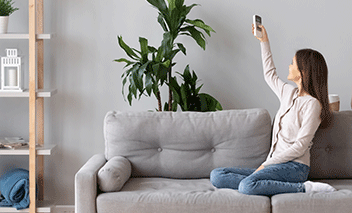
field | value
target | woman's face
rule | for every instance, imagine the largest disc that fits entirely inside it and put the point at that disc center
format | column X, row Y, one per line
column 294, row 74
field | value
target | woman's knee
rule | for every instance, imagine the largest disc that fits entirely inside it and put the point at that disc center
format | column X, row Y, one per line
column 216, row 177
column 247, row 186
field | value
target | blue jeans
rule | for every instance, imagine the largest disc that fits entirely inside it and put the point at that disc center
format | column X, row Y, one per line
column 273, row 179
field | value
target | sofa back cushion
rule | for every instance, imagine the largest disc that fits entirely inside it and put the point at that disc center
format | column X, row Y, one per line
column 331, row 153
column 187, row 144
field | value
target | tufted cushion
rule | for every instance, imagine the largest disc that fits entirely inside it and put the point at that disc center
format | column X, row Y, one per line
column 331, row 153
column 187, row 144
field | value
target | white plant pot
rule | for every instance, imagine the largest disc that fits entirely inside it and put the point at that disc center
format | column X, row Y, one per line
column 4, row 21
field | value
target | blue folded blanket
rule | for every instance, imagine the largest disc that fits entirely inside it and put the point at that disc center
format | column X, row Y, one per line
column 14, row 187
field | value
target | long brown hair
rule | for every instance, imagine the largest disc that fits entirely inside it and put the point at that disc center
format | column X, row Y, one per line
column 314, row 72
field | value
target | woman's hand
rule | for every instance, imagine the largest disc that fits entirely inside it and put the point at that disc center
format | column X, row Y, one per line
column 264, row 37
column 260, row 168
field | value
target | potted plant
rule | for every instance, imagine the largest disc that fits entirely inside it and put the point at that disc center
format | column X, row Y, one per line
column 187, row 94
column 150, row 68
column 6, row 9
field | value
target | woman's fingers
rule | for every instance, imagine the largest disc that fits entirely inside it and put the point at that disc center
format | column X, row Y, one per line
column 264, row 34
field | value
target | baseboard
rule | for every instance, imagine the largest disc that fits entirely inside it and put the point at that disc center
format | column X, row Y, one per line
column 64, row 209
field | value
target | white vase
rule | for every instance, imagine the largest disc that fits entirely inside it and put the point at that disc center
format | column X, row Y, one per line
column 4, row 21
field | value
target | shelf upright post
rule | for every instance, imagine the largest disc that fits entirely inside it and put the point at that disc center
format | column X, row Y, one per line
column 32, row 104
column 40, row 101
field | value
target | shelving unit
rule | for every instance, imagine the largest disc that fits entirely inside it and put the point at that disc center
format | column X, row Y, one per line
column 36, row 94
column 24, row 36
column 42, row 206
column 47, row 149
column 41, row 93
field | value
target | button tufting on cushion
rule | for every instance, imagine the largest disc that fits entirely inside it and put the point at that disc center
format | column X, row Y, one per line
column 242, row 136
column 327, row 149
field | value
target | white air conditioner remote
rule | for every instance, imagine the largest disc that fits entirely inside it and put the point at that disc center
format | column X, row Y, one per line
column 257, row 20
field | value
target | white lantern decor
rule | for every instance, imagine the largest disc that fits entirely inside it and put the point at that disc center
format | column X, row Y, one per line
column 11, row 79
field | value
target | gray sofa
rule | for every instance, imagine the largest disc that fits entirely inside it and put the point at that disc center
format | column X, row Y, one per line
column 161, row 161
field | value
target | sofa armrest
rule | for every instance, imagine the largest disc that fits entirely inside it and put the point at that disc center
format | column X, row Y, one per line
column 86, row 184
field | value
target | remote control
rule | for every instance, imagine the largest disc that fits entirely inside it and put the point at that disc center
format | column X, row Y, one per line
column 257, row 20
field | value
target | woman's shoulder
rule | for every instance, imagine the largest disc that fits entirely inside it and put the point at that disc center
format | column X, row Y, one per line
column 289, row 91
column 310, row 103
column 310, row 99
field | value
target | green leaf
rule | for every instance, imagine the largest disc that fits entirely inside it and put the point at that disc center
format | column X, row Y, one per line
column 187, row 34
column 176, row 92
column 144, row 46
column 184, row 97
column 148, row 83
column 195, row 77
column 179, row 3
column 188, row 9
column 199, row 23
column 129, row 97
column 160, row 72
column 128, row 63
column 176, row 21
column 209, row 103
column 174, row 53
column 123, row 60
column 152, row 49
column 196, row 35
column 137, row 51
column 139, row 77
column 166, row 44
column 162, row 22
column 166, row 106
column 160, row 54
column 155, row 69
column 175, row 87
column 171, row 5
column 135, row 79
column 187, row 75
column 132, row 88
column 123, row 86
column 160, row 5
column 197, row 90
column 155, row 88
column 166, row 63
column 174, row 106
column 182, row 48
column 127, row 49
column 163, row 71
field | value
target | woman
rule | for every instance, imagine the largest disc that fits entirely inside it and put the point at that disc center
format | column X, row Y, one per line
column 302, row 111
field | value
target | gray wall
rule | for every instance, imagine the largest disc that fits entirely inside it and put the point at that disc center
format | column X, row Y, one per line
column 79, row 63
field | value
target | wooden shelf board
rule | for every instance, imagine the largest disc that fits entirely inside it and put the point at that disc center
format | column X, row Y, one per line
column 42, row 206
column 47, row 149
column 23, row 36
column 41, row 93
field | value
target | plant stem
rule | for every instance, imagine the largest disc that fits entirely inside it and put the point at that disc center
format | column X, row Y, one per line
column 170, row 91
column 159, row 101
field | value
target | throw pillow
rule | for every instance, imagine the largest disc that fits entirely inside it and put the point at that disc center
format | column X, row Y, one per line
column 114, row 174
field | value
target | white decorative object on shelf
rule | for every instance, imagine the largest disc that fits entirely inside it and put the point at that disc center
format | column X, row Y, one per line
column 11, row 79
column 4, row 21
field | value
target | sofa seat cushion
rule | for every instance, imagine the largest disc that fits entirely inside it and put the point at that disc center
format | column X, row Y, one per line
column 339, row 201
column 178, row 195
